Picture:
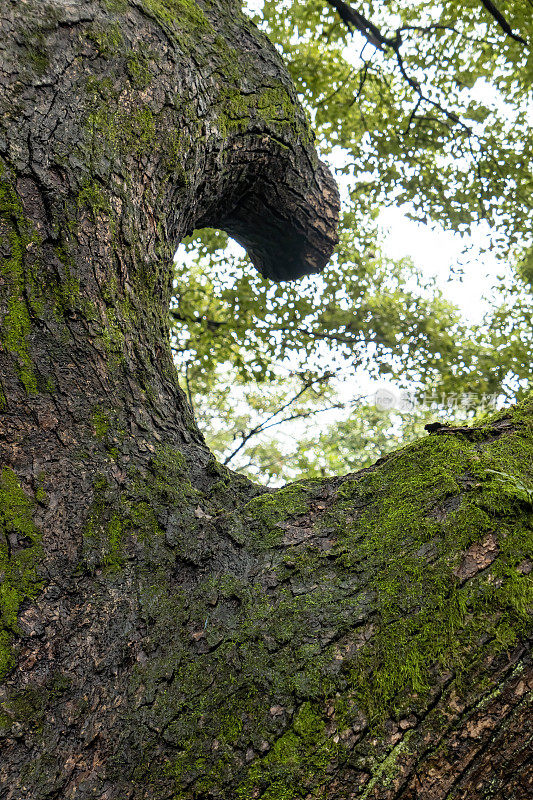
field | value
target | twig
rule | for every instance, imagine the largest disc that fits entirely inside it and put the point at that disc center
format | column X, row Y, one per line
column 264, row 424
column 211, row 324
column 353, row 19
column 412, row 116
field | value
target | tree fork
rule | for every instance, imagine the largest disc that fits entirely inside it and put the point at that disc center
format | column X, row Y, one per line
column 167, row 628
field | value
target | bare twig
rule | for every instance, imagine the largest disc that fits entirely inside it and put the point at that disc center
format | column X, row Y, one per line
column 268, row 422
column 429, row 29
column 362, row 79
column 412, row 116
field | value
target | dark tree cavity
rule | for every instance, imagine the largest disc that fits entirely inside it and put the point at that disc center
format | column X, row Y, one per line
column 169, row 630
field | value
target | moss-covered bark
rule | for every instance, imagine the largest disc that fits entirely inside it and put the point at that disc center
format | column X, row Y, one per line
column 168, row 629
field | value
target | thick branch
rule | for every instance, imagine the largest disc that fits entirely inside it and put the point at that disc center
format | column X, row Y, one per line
column 502, row 22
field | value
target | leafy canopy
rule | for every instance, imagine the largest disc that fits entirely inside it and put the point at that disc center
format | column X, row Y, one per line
column 438, row 121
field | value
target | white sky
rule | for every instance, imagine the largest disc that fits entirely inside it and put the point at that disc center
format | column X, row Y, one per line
column 439, row 253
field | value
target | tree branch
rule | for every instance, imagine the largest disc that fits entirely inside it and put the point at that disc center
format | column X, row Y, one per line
column 211, row 324
column 502, row 22
column 353, row 19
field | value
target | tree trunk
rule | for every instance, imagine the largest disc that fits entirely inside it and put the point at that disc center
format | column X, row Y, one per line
column 167, row 628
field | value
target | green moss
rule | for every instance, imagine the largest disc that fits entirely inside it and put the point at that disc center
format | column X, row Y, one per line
column 28, row 706
column 427, row 617
column 113, row 338
column 36, row 770
column 300, row 756
column 40, row 494
column 138, row 66
column 106, row 37
column 104, row 533
column 113, row 559
column 235, row 707
column 116, row 6
column 268, row 510
column 512, row 486
column 65, row 292
column 355, row 622
column 18, row 563
column 101, row 423
column 28, row 295
column 125, row 128
column 39, row 59
column 93, row 196
column 108, row 430
column 169, row 467
column 15, row 327
column 179, row 17
column 388, row 769
column 273, row 105
column 127, row 132
column 141, row 127
column 36, row 53
column 120, row 524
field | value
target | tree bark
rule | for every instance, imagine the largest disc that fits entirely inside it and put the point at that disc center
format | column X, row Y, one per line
column 167, row 628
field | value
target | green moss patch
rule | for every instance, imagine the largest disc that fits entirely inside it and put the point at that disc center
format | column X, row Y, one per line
column 28, row 706
column 15, row 328
column 413, row 547
column 269, row 664
column 28, row 295
column 127, row 129
column 272, row 105
column 177, row 16
column 130, row 525
column 264, row 513
column 303, row 750
column 20, row 553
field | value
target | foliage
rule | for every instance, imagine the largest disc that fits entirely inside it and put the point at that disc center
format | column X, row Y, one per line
column 459, row 156
column 441, row 128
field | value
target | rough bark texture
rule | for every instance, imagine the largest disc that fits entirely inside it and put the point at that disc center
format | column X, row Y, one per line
column 168, row 629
